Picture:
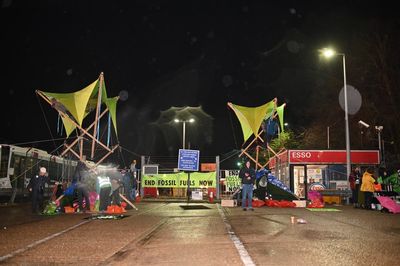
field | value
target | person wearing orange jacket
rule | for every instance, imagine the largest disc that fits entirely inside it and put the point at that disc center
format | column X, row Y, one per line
column 367, row 187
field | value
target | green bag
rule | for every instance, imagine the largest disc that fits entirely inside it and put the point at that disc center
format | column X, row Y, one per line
column 50, row 209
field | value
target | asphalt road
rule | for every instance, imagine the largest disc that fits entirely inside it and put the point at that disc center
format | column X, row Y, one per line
column 167, row 234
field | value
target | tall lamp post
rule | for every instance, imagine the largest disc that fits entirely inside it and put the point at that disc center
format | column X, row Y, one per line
column 381, row 152
column 191, row 120
column 326, row 52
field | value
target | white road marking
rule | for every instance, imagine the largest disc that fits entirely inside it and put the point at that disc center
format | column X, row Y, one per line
column 244, row 255
column 34, row 244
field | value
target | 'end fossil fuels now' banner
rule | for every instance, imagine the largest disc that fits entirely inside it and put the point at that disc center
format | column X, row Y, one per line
column 180, row 180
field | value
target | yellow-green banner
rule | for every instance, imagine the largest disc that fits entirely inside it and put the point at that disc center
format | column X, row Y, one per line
column 179, row 180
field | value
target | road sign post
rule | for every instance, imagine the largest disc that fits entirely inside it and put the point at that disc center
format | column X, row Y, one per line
column 188, row 161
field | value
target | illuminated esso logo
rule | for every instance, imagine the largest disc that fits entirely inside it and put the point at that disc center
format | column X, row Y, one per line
column 301, row 155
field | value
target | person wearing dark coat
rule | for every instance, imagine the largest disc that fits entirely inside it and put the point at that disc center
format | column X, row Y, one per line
column 36, row 186
column 355, row 184
column 80, row 175
column 248, row 175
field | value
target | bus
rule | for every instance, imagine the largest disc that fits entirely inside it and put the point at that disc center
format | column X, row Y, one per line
column 19, row 164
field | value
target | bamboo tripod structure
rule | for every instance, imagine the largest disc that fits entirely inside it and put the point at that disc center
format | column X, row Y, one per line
column 78, row 142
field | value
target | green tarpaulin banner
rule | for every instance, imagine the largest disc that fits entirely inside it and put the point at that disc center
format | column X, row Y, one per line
column 232, row 183
column 179, row 180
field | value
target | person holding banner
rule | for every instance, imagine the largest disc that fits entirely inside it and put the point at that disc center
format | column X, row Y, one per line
column 247, row 175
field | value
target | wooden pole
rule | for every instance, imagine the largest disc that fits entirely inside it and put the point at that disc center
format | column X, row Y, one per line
column 81, row 135
column 257, row 148
column 97, row 111
column 59, row 198
column 251, row 158
column 269, row 148
column 105, row 156
column 70, row 146
column 127, row 201
column 248, row 146
column 81, row 149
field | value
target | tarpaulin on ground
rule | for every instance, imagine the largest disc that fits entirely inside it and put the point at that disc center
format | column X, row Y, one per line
column 276, row 188
column 388, row 203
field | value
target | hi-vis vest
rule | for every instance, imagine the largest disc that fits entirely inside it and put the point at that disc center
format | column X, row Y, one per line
column 104, row 181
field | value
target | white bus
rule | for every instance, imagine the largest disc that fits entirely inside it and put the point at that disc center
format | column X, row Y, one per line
column 19, row 164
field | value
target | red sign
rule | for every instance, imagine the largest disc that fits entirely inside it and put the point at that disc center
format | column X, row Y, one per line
column 332, row 157
column 208, row 167
column 281, row 158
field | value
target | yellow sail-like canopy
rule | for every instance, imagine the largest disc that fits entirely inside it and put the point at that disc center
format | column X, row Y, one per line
column 250, row 118
column 279, row 111
column 80, row 103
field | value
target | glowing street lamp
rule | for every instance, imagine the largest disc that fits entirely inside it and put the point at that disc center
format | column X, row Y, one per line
column 191, row 120
column 328, row 53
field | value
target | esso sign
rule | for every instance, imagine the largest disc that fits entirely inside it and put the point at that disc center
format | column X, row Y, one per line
column 301, row 155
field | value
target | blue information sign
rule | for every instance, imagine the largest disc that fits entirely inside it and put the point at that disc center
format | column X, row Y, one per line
column 188, row 160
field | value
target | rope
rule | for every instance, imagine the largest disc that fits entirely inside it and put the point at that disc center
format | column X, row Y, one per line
column 58, row 124
column 234, row 136
column 108, row 130
column 131, row 152
column 37, row 141
column 121, row 155
column 47, row 123
column 235, row 152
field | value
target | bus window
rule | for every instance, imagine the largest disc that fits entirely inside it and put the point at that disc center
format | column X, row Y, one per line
column 53, row 171
column 18, row 163
column 4, row 154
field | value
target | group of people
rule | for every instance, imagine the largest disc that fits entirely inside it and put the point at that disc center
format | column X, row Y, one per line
column 107, row 183
column 362, row 187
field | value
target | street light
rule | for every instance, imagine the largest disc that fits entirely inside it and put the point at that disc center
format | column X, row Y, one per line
column 327, row 52
column 191, row 120
column 381, row 155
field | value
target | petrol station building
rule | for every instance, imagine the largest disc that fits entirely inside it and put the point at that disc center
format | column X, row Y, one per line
column 306, row 170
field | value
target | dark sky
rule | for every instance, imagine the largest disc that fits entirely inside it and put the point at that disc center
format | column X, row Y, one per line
column 167, row 53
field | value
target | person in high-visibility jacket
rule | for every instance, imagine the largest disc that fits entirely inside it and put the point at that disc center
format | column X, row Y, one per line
column 103, row 187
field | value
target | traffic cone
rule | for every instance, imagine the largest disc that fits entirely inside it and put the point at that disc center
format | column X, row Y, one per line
column 211, row 197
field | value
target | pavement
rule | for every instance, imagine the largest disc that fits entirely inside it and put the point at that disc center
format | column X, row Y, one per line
column 178, row 233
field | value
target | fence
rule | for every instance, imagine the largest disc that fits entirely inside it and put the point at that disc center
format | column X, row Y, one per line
column 169, row 182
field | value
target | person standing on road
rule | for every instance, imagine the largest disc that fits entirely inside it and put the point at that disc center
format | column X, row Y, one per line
column 127, row 183
column 247, row 176
column 355, row 183
column 367, row 187
column 133, row 168
column 80, row 176
column 36, row 187
column 115, row 185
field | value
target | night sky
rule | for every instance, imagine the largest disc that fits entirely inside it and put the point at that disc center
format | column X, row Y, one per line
column 159, row 54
